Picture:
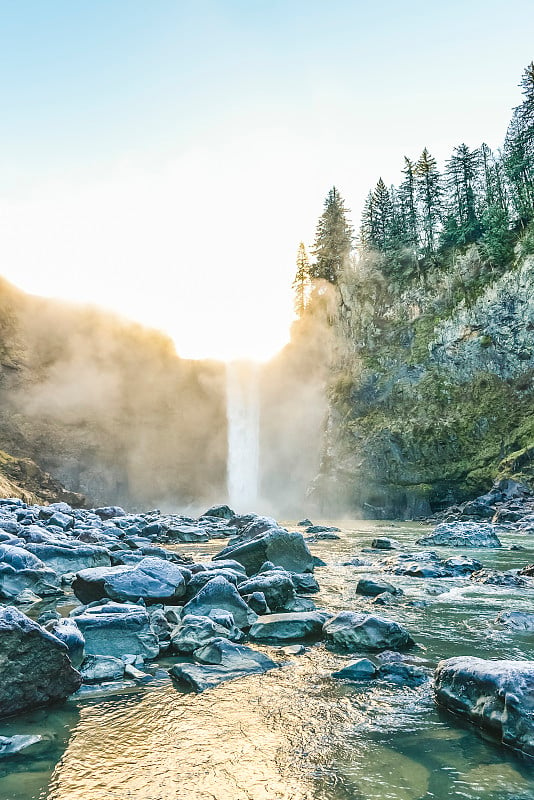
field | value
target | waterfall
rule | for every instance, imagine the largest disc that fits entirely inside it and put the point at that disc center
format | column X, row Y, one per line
column 243, row 415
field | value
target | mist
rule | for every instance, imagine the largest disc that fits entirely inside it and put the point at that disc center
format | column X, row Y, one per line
column 109, row 409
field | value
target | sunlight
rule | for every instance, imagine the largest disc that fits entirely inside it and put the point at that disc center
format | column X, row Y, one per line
column 194, row 248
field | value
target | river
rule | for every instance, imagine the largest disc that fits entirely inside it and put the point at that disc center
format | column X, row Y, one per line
column 296, row 733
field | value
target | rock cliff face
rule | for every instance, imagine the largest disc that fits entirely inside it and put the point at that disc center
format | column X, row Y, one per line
column 432, row 394
column 106, row 407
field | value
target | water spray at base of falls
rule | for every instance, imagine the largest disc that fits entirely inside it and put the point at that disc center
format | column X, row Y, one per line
column 243, row 419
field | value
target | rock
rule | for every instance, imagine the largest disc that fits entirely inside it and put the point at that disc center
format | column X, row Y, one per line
column 477, row 508
column 200, row 677
column 223, row 512
column 405, row 674
column 284, row 549
column 361, row 670
column 35, row 667
column 187, row 533
column 154, row 580
column 427, row 564
column 104, row 689
column 496, row 695
column 372, row 588
column 219, row 593
column 70, row 556
column 195, row 631
column 384, row 543
column 15, row 745
column 286, row 627
column 323, row 529
column 276, row 586
column 27, row 597
column 21, row 570
column 527, row 571
column 298, row 604
column 96, row 669
column 462, row 534
column 356, row 562
column 496, row 578
column 517, row 620
column 356, row 632
column 294, row 649
column 68, row 632
column 234, row 656
column 112, row 629
column 109, row 512
column 200, row 579
column 304, row 523
column 304, row 583
column 257, row 602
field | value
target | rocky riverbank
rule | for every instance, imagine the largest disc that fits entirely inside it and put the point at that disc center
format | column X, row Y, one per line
column 132, row 600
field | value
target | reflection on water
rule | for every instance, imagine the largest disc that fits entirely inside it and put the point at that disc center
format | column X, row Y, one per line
column 295, row 733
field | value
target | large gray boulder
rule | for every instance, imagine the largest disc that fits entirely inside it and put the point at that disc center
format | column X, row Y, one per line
column 35, row 668
column 196, row 631
column 276, row 586
column 496, row 695
column 115, row 629
column 68, row 632
column 70, row 556
column 220, row 593
column 282, row 548
column 356, row 632
column 462, row 534
column 222, row 661
column 21, row 570
column 521, row 621
column 152, row 579
column 289, row 627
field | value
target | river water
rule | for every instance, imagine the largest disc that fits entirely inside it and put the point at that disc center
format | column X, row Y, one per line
column 295, row 733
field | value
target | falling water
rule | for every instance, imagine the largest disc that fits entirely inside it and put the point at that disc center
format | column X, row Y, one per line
column 243, row 413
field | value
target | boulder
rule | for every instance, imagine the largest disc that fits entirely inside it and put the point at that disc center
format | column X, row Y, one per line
column 152, row 579
column 68, row 632
column 20, row 570
column 282, row 548
column 404, row 674
column 361, row 670
column 494, row 577
column 462, row 534
column 495, row 695
column 290, row 626
column 357, row 632
column 384, row 543
column 276, row 586
column 220, row 593
column 372, row 588
column 223, row 512
column 27, row 744
column 196, row 631
column 35, row 668
column 70, row 556
column 113, row 629
column 96, row 669
column 521, row 621
column 234, row 656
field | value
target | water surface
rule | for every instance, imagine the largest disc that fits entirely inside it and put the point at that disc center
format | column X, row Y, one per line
column 296, row 733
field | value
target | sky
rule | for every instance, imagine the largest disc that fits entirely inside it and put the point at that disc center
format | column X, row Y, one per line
column 164, row 158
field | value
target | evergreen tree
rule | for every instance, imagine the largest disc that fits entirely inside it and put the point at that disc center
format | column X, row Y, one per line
column 408, row 206
column 429, row 194
column 462, row 177
column 302, row 282
column 518, row 155
column 333, row 239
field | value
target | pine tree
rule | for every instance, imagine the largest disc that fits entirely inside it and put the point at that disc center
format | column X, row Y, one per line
column 429, row 194
column 302, row 282
column 383, row 216
column 333, row 239
column 408, row 205
column 462, row 178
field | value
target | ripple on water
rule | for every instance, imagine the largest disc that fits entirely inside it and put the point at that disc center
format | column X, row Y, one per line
column 296, row 733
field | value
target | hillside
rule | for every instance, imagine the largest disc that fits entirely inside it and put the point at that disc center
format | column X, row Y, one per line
column 106, row 406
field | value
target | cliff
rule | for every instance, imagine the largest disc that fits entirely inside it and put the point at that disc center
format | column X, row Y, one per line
column 431, row 394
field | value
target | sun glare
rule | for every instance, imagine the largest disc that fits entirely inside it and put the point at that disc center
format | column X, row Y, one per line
column 202, row 249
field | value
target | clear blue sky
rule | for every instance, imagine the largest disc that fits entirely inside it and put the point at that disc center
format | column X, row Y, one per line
column 272, row 102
